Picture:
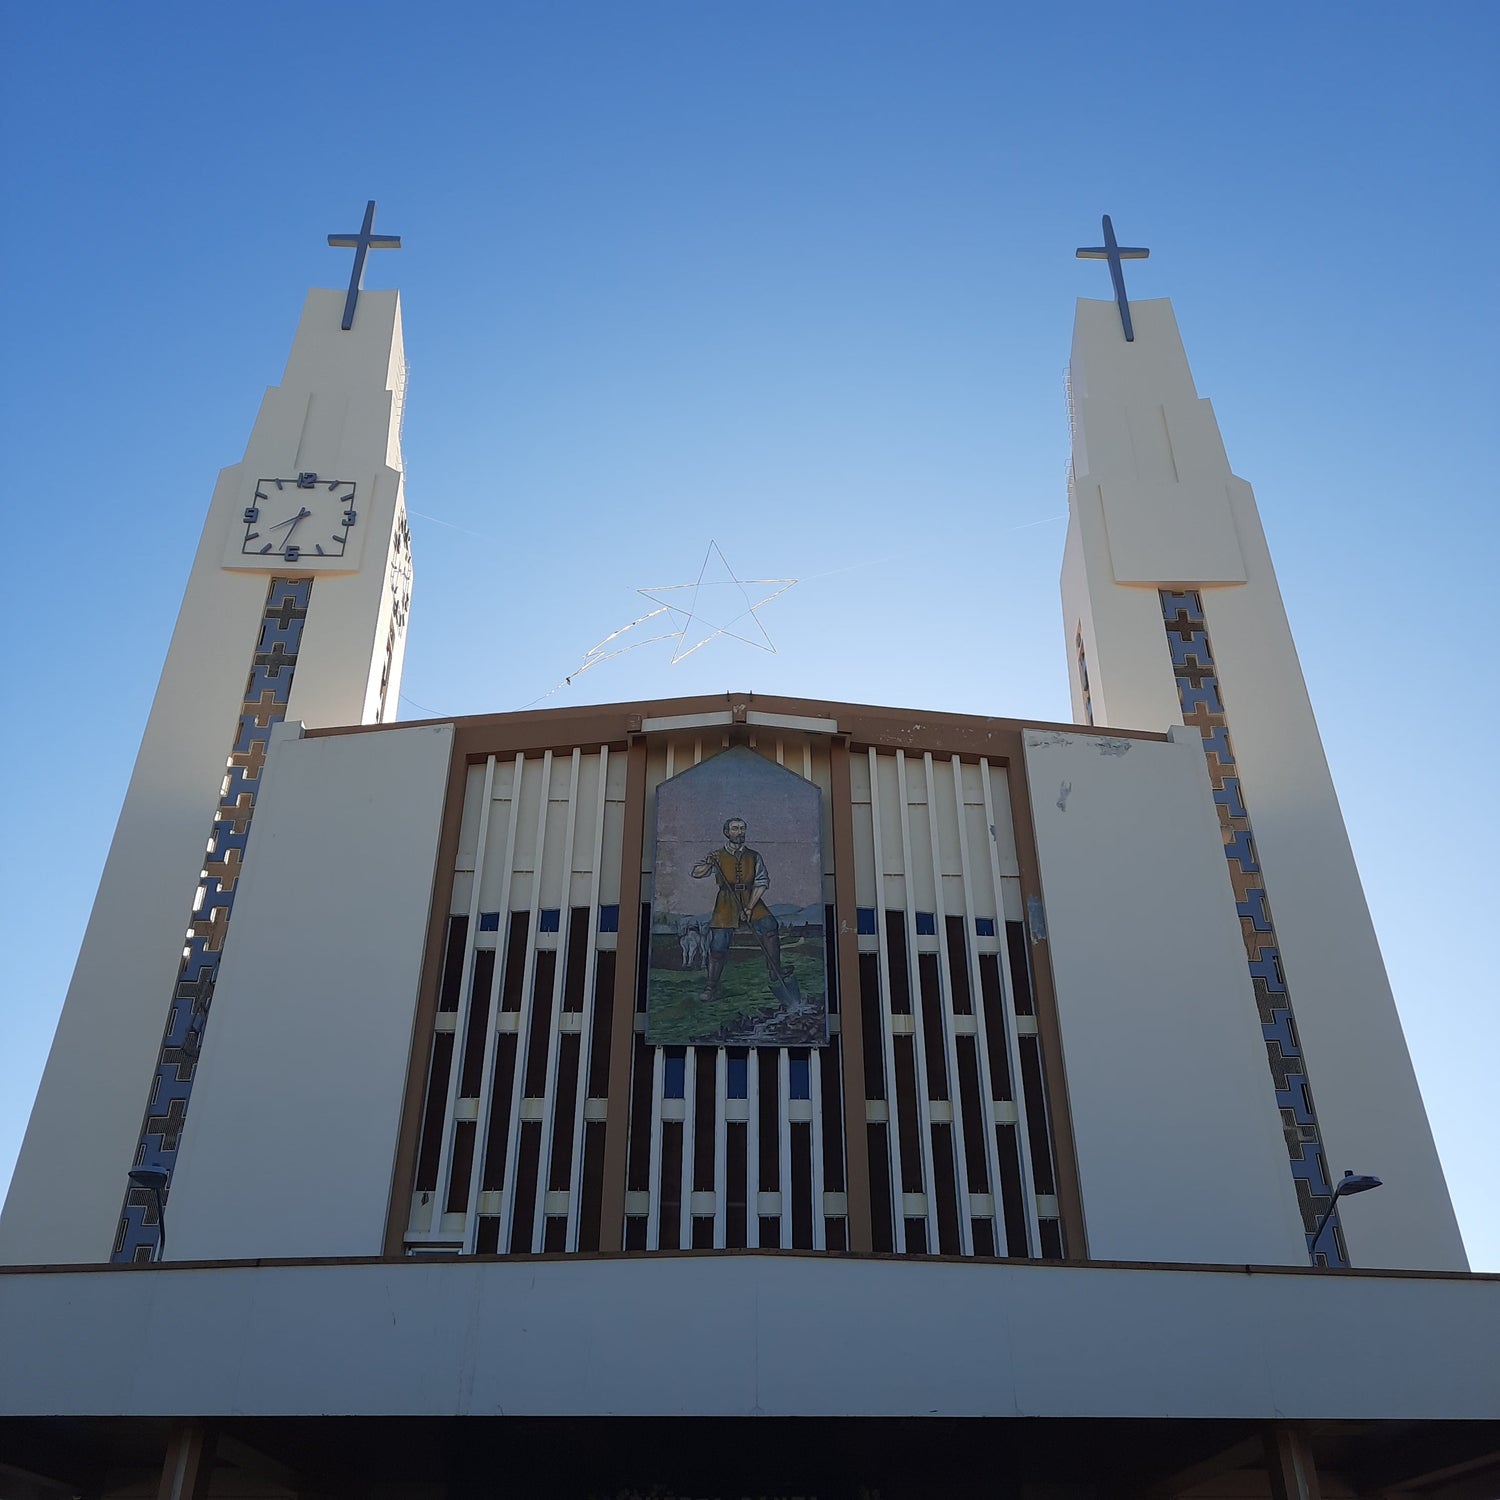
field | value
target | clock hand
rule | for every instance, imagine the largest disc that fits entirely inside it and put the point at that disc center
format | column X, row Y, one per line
column 292, row 522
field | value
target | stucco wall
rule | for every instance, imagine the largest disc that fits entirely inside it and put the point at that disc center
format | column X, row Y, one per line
column 289, row 1145
column 1178, row 1140
column 1151, row 448
column 334, row 410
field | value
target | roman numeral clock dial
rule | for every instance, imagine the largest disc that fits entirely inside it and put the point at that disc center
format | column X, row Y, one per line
column 299, row 520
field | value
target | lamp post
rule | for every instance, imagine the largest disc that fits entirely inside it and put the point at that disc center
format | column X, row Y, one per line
column 154, row 1178
column 1350, row 1182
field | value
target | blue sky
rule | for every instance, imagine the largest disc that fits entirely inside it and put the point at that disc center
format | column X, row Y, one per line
column 798, row 277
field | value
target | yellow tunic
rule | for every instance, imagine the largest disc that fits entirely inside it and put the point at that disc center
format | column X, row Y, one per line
column 738, row 872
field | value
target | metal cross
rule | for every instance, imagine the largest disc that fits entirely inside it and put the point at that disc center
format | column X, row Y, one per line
column 360, row 243
column 1114, row 253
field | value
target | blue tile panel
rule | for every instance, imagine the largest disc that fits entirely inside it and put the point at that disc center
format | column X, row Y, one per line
column 267, row 692
column 1203, row 708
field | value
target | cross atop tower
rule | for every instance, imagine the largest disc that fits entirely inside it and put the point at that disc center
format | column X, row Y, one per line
column 365, row 241
column 1111, row 251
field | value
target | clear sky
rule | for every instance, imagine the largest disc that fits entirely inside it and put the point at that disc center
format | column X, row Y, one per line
column 798, row 276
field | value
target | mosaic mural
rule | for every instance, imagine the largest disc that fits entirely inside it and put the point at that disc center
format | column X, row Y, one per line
column 267, row 692
column 1202, row 707
column 737, row 939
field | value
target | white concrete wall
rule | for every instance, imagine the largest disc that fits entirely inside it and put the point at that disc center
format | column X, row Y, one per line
column 1150, row 446
column 1178, row 1139
column 291, row 1138
column 749, row 1335
column 1369, row 1107
column 1147, row 453
column 338, row 412
column 69, row 1183
column 334, row 407
column 1117, row 625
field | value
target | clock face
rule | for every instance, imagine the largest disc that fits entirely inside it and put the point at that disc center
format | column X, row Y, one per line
column 299, row 520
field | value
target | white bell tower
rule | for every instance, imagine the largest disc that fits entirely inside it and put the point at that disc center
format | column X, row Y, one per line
column 295, row 609
column 1173, row 615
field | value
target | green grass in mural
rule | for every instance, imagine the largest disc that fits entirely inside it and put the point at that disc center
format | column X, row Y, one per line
column 679, row 1015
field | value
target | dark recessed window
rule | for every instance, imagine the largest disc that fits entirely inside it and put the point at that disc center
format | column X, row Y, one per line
column 738, row 1071
column 801, row 1076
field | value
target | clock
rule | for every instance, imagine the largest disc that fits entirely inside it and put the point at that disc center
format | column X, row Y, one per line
column 299, row 520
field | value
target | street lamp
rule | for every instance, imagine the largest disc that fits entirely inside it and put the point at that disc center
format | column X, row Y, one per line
column 1350, row 1182
column 154, row 1178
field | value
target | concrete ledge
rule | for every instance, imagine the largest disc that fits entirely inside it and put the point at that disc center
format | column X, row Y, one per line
column 741, row 1335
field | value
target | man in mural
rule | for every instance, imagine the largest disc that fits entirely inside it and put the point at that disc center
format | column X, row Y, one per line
column 743, row 883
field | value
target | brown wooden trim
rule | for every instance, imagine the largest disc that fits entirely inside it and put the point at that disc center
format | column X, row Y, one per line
column 622, row 1021
column 1044, row 998
column 851, row 1019
column 398, row 1207
column 999, row 743
column 865, row 724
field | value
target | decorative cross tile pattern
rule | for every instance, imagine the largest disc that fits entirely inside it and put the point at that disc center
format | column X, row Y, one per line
column 1198, row 692
column 267, row 692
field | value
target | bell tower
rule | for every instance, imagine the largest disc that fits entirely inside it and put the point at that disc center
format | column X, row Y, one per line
column 295, row 609
column 1173, row 615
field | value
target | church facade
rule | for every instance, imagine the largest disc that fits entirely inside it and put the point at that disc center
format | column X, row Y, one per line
column 739, row 1094
column 965, row 907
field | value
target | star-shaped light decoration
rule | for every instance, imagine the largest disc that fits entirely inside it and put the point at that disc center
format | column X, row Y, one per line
column 694, row 611
column 728, row 599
